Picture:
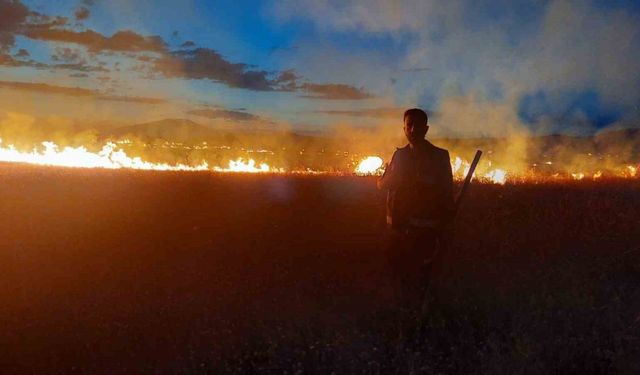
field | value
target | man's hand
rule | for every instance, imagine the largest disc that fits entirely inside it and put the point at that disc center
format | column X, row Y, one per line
column 380, row 183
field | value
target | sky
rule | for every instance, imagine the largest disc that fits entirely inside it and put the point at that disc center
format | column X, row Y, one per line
column 479, row 68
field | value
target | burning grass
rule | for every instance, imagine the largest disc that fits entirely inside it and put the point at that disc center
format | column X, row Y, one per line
column 121, row 271
column 114, row 155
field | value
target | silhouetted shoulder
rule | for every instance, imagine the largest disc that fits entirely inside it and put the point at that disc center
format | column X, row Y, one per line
column 444, row 153
column 441, row 152
column 401, row 153
column 402, row 149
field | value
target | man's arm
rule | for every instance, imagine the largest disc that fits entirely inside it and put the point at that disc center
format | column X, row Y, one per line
column 390, row 179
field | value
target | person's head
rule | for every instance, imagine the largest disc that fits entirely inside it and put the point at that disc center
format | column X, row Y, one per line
column 415, row 124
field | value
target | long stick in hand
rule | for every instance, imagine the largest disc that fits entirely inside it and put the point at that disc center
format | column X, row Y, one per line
column 443, row 240
column 467, row 181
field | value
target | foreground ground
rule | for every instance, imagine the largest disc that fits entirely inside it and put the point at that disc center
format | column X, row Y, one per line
column 123, row 271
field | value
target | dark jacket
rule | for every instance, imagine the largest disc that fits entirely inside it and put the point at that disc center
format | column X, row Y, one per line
column 420, row 185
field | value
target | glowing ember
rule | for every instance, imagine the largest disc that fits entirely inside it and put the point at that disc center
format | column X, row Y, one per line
column 632, row 170
column 369, row 165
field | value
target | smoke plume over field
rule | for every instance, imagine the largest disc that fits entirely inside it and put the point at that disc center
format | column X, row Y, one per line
column 181, row 141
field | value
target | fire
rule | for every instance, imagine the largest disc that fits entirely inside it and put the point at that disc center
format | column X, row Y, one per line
column 113, row 156
column 577, row 176
column 497, row 176
column 460, row 168
column 80, row 157
column 249, row 167
column 457, row 164
column 369, row 165
column 110, row 158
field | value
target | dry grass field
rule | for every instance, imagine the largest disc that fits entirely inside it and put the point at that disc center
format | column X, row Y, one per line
column 142, row 272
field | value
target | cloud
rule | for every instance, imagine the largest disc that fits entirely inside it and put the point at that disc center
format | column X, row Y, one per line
column 45, row 88
column 82, row 13
column 72, row 59
column 121, row 41
column 81, row 66
column 44, row 21
column 224, row 114
column 131, row 99
column 288, row 80
column 22, row 53
column 362, row 15
column 12, row 15
column 205, row 63
column 76, row 92
column 65, row 54
column 8, row 60
column 153, row 54
column 334, row 91
column 384, row 113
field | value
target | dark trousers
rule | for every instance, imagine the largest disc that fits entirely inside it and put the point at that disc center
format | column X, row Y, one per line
column 411, row 255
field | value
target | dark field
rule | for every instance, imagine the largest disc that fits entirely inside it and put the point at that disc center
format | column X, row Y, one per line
column 124, row 271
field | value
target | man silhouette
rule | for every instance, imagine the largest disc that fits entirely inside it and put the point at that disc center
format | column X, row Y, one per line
column 419, row 207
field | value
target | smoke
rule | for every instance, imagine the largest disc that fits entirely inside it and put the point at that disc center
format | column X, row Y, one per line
column 502, row 50
column 475, row 64
column 25, row 131
column 184, row 142
column 473, row 116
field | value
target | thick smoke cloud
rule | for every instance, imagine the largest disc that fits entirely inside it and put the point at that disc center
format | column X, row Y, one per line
column 502, row 51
